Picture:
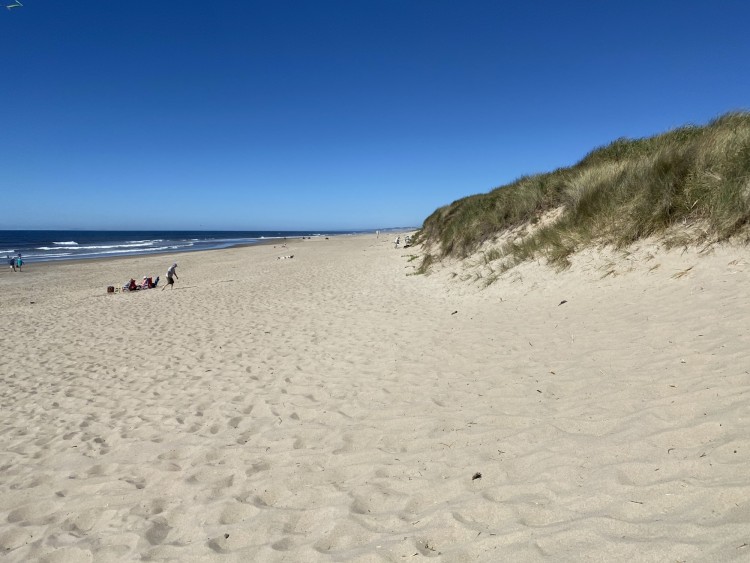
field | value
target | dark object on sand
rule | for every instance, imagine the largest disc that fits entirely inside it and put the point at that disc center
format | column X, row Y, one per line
column 561, row 302
column 476, row 476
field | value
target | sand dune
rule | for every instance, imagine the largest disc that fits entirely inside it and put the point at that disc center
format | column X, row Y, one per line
column 332, row 407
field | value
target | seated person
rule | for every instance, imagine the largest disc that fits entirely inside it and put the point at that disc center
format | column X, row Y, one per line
column 132, row 286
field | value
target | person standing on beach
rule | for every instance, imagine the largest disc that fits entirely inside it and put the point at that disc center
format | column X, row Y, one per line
column 11, row 262
column 19, row 262
column 171, row 276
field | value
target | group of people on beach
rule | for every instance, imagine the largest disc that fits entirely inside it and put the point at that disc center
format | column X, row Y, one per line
column 147, row 283
column 150, row 283
column 15, row 262
column 407, row 241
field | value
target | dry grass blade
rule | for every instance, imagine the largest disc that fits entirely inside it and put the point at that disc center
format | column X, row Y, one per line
column 682, row 273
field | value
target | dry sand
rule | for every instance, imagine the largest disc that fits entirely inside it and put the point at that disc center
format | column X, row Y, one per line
column 331, row 407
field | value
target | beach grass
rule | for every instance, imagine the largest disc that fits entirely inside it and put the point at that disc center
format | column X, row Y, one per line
column 687, row 186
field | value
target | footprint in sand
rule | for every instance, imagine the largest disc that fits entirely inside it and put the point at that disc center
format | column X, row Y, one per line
column 34, row 512
column 236, row 512
column 158, row 531
column 257, row 468
column 15, row 538
column 80, row 524
column 284, row 544
column 137, row 482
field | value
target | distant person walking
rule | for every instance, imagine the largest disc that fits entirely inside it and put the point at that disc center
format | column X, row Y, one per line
column 11, row 263
column 171, row 276
column 19, row 262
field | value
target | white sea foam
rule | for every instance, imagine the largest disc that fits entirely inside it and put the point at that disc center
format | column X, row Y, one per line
column 67, row 243
column 122, row 251
column 101, row 247
column 46, row 256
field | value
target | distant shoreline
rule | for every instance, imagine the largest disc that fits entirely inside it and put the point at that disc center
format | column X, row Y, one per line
column 74, row 246
column 150, row 257
column 120, row 257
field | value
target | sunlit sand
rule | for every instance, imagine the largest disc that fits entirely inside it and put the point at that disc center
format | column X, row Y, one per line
column 332, row 407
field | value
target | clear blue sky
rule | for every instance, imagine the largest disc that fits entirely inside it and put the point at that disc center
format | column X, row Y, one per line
column 334, row 114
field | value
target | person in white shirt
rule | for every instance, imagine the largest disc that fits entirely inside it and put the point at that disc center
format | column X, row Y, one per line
column 171, row 276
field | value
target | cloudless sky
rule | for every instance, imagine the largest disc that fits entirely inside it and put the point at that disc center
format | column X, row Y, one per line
column 334, row 114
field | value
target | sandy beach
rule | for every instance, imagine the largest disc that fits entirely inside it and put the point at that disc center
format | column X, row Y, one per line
column 333, row 407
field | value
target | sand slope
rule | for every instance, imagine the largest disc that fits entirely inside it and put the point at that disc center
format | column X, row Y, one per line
column 331, row 407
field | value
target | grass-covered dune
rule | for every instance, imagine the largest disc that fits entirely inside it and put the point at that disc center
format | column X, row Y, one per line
column 687, row 186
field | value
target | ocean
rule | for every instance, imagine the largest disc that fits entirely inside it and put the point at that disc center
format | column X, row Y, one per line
column 45, row 246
